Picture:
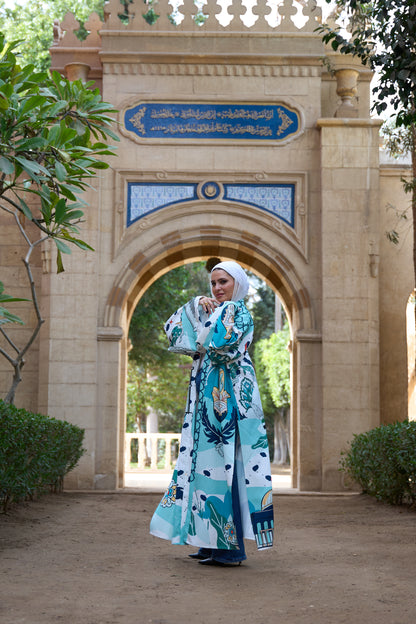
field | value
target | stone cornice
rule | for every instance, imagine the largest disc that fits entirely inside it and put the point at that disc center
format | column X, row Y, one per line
column 122, row 65
column 340, row 122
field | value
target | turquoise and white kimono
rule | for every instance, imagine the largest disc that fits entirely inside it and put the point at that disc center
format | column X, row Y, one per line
column 223, row 431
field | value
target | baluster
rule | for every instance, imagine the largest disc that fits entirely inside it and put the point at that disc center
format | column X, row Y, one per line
column 168, row 455
column 264, row 19
column 314, row 12
column 93, row 25
column 164, row 9
column 153, row 459
column 142, row 452
column 69, row 24
column 286, row 11
column 111, row 19
column 127, row 443
column 238, row 10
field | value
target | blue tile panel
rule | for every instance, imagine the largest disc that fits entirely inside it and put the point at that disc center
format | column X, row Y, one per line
column 146, row 197
column 185, row 120
column 275, row 198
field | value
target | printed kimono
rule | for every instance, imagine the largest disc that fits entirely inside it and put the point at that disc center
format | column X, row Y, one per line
column 223, row 431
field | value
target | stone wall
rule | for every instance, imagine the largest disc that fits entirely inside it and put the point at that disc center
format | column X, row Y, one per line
column 342, row 285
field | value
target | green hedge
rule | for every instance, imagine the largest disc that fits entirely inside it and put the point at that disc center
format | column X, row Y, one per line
column 36, row 452
column 383, row 462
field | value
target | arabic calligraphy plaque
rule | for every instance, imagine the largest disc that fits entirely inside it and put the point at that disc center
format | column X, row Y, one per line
column 190, row 121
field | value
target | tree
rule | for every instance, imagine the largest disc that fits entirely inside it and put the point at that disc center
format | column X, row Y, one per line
column 32, row 24
column 383, row 36
column 273, row 370
column 263, row 312
column 53, row 135
column 157, row 378
column 157, row 304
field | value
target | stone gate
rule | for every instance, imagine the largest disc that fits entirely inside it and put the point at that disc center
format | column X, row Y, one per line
column 237, row 141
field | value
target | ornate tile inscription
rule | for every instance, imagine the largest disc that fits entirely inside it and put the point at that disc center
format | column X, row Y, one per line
column 226, row 121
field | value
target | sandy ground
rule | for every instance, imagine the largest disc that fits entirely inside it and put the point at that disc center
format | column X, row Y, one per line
column 88, row 558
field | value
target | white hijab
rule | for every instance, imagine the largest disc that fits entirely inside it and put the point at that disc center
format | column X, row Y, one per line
column 241, row 283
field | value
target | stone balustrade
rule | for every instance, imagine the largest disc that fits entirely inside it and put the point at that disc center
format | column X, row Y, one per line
column 151, row 449
column 273, row 16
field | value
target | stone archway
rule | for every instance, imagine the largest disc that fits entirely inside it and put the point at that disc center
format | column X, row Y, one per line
column 199, row 241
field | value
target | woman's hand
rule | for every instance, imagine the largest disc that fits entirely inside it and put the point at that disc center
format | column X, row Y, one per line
column 208, row 304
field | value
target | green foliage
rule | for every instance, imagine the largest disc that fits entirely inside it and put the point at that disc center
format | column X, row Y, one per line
column 31, row 22
column 36, row 452
column 274, row 358
column 5, row 315
column 272, row 362
column 262, row 310
column 383, row 462
column 52, row 139
column 157, row 378
column 384, row 38
column 169, row 292
column 165, row 391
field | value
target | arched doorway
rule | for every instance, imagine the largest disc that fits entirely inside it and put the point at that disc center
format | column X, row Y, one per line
column 244, row 235
column 157, row 384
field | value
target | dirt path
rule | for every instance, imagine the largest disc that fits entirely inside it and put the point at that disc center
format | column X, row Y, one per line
column 88, row 558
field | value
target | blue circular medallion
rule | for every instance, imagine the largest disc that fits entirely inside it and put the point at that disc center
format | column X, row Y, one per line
column 210, row 190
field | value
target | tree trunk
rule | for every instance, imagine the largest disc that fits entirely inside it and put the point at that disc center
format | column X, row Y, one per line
column 281, row 454
column 413, row 130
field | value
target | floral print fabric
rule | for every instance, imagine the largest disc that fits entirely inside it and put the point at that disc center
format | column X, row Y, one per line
column 223, row 431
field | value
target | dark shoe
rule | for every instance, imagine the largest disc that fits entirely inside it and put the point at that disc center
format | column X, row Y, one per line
column 197, row 555
column 214, row 562
column 203, row 553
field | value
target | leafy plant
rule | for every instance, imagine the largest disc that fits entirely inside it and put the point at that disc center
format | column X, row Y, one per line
column 53, row 136
column 272, row 359
column 36, row 452
column 32, row 21
column 383, row 462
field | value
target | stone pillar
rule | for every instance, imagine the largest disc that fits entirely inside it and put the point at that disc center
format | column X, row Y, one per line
column 68, row 351
column 350, row 297
column 307, row 411
column 108, row 444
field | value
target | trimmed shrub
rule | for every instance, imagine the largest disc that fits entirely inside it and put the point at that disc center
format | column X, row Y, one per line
column 383, row 462
column 36, row 452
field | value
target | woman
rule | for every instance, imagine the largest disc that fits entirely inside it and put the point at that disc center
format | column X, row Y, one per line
column 221, row 486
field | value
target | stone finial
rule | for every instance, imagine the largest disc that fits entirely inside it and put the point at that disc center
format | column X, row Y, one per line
column 58, row 33
column 347, row 91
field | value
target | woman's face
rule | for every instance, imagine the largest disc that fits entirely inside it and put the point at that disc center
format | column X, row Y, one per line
column 222, row 285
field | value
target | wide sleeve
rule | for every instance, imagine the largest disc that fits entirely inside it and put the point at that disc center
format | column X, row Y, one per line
column 229, row 334
column 182, row 328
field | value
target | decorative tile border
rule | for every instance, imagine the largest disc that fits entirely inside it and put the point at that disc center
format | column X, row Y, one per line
column 146, row 197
